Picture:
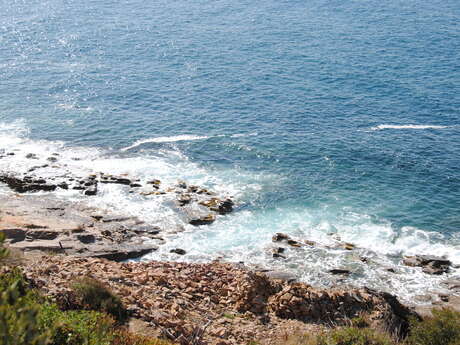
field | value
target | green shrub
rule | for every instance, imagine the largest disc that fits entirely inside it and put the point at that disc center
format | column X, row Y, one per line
column 76, row 327
column 441, row 329
column 94, row 295
column 18, row 313
column 3, row 250
column 353, row 336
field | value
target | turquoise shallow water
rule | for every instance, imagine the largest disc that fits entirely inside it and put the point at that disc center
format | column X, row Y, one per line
column 318, row 116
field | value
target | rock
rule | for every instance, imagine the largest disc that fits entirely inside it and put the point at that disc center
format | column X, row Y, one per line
column 14, row 235
column 444, row 297
column 431, row 264
column 121, row 253
column 135, row 185
column 184, row 199
column 339, row 271
column 390, row 269
column 349, row 246
column 115, row 179
column 86, row 238
column 205, row 220
column 91, row 190
column 279, row 236
column 111, row 219
column 178, row 251
column 294, row 243
column 52, row 159
column 31, row 156
column 280, row 275
column 225, row 207
column 452, row 283
column 42, row 234
column 63, row 185
column 26, row 184
column 310, row 243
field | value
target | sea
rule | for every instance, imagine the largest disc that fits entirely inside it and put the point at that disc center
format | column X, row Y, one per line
column 326, row 120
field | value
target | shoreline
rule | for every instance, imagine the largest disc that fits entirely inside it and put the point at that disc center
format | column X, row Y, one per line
column 72, row 239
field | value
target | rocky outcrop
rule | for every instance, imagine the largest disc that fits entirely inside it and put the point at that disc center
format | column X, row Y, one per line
column 32, row 223
column 27, row 184
column 430, row 264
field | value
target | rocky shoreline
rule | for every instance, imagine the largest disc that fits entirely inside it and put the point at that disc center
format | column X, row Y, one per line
column 220, row 303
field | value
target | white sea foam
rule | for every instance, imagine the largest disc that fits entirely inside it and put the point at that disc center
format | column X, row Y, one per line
column 381, row 127
column 182, row 137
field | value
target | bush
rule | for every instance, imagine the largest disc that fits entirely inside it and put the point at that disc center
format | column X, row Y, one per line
column 342, row 336
column 18, row 313
column 354, row 336
column 3, row 250
column 27, row 318
column 94, row 295
column 76, row 327
column 441, row 329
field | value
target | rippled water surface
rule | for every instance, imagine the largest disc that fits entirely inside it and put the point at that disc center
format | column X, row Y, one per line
column 318, row 117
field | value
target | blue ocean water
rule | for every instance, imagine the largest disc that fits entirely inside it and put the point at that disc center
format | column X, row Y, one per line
column 318, row 116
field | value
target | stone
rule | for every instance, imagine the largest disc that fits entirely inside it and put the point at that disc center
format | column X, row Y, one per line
column 14, row 235
column 178, row 251
column 452, row 283
column 42, row 234
column 225, row 207
column 86, row 238
column 184, row 199
column 90, row 191
column 430, row 264
column 279, row 236
column 27, row 184
column 349, row 246
column 205, row 220
column 52, row 159
column 31, row 156
column 280, row 275
column 294, row 243
column 339, row 271
column 116, row 180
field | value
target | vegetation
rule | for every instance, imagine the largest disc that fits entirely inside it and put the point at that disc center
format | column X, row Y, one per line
column 441, row 329
column 94, row 295
column 27, row 318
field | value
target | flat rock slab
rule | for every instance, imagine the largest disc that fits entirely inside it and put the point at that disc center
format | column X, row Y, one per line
column 47, row 224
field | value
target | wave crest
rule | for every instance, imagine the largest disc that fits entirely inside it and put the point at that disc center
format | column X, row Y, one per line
column 381, row 127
